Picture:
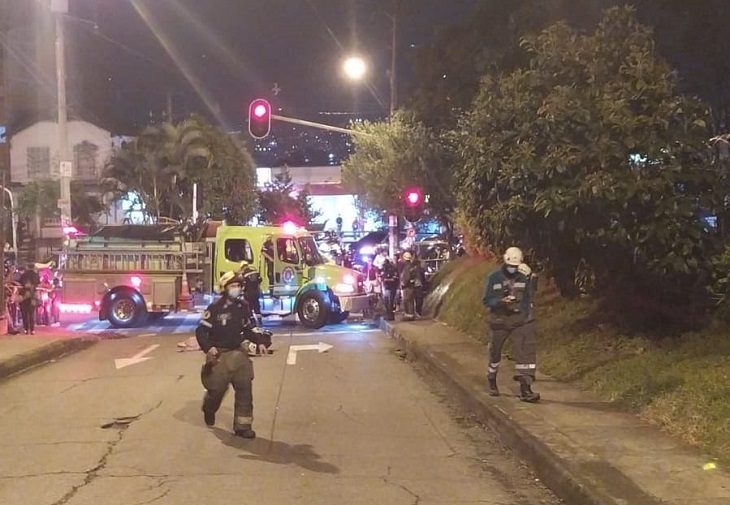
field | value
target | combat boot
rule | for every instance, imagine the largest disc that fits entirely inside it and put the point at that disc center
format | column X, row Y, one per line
column 526, row 392
column 492, row 385
column 245, row 432
column 209, row 417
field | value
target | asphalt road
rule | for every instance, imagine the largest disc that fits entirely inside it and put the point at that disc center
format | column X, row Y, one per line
column 185, row 323
column 353, row 425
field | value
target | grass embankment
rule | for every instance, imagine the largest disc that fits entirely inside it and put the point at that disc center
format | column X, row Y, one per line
column 680, row 384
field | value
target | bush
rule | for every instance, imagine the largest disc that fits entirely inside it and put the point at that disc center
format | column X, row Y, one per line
column 677, row 383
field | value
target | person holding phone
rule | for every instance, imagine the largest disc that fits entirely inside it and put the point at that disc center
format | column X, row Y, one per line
column 507, row 295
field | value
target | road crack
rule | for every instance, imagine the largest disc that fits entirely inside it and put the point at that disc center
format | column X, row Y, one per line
column 121, row 424
column 386, row 479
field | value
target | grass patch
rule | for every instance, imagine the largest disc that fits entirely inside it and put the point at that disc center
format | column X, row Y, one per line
column 680, row 384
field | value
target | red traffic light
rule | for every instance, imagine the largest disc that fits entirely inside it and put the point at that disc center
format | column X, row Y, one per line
column 259, row 118
column 413, row 197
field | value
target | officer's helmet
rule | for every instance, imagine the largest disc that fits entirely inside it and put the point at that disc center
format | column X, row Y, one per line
column 229, row 278
column 513, row 256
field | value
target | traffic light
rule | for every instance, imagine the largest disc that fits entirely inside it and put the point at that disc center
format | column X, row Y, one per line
column 413, row 205
column 259, row 118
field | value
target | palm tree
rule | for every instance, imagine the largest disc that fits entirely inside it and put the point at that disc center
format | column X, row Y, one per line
column 157, row 166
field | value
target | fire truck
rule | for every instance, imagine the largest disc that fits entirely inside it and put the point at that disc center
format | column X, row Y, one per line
column 131, row 272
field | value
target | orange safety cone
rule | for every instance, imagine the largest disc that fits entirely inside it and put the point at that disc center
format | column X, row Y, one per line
column 185, row 300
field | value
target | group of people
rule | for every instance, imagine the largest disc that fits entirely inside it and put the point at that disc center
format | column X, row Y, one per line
column 30, row 297
column 229, row 332
column 403, row 282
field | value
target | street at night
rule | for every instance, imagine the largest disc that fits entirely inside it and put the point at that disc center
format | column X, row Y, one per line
column 354, row 424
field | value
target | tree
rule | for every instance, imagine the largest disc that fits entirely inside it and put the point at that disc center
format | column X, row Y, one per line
column 279, row 202
column 227, row 177
column 164, row 161
column 38, row 202
column 449, row 68
column 393, row 156
column 589, row 158
column 153, row 165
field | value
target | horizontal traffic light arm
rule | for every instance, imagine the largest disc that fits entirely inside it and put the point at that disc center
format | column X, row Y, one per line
column 321, row 126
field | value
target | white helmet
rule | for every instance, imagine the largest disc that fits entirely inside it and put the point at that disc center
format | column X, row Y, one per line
column 524, row 269
column 513, row 256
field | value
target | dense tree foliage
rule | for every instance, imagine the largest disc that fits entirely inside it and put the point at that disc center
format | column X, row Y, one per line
column 38, row 201
column 590, row 158
column 396, row 155
column 279, row 202
column 164, row 161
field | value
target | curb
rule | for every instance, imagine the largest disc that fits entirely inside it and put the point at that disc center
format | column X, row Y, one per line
column 43, row 354
column 553, row 470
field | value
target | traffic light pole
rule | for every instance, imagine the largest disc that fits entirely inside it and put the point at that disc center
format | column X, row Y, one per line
column 321, row 126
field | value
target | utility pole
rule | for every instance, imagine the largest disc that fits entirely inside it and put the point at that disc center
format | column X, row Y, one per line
column 393, row 217
column 60, row 9
column 394, row 58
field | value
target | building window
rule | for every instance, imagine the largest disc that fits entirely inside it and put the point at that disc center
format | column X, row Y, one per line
column 39, row 161
column 85, row 155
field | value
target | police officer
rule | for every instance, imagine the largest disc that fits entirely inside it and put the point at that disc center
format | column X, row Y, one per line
column 252, row 290
column 507, row 294
column 226, row 336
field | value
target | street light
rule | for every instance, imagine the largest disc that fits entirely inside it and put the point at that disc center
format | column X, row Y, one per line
column 13, row 219
column 355, row 68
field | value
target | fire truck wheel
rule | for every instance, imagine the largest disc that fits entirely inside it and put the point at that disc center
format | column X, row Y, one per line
column 125, row 311
column 312, row 310
column 339, row 318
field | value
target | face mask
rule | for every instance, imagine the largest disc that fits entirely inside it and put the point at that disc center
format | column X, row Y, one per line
column 234, row 293
column 512, row 270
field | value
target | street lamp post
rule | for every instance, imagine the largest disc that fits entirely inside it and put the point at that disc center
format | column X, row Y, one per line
column 13, row 218
column 60, row 9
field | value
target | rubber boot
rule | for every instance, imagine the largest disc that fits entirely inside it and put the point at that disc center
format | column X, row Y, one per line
column 526, row 392
column 492, row 385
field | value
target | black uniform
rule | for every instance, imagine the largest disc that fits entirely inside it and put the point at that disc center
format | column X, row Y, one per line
column 391, row 280
column 30, row 281
column 226, row 325
column 252, row 289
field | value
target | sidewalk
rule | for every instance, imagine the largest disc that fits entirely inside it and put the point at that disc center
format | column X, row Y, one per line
column 21, row 352
column 585, row 450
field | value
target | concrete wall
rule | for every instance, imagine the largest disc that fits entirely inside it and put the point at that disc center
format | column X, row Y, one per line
column 44, row 134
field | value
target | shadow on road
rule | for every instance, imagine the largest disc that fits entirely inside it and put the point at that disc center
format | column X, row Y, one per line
column 259, row 449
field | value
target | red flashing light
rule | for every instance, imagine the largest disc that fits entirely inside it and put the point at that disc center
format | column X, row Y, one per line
column 135, row 281
column 259, row 118
column 290, row 227
column 413, row 197
column 260, row 111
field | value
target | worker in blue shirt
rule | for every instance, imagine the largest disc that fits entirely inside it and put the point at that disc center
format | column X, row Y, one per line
column 507, row 294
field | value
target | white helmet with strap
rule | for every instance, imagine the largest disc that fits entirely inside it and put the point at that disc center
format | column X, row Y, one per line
column 513, row 256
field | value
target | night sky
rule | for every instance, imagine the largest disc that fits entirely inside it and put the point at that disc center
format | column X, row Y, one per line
column 223, row 53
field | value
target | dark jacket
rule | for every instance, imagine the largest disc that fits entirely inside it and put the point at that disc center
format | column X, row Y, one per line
column 390, row 276
column 500, row 284
column 225, row 325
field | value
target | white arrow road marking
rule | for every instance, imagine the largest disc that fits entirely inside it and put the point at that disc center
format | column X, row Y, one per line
column 137, row 358
column 291, row 359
